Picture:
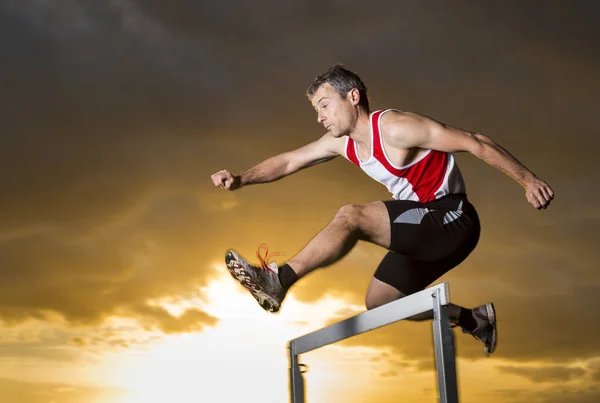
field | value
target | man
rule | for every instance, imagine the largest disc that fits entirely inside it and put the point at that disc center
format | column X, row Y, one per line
column 429, row 227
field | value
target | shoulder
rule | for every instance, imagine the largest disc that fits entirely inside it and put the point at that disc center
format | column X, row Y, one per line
column 394, row 120
column 398, row 127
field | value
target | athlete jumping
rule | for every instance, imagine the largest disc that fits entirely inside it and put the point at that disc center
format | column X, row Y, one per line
column 429, row 226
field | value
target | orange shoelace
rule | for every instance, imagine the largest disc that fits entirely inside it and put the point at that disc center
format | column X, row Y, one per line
column 265, row 258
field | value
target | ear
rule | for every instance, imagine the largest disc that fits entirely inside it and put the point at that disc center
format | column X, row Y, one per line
column 354, row 96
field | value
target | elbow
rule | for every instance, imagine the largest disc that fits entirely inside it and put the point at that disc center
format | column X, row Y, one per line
column 477, row 144
column 482, row 138
column 288, row 164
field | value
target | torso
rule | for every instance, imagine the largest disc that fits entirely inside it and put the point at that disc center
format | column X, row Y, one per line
column 409, row 174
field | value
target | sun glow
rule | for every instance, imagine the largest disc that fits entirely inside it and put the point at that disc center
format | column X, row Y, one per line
column 244, row 357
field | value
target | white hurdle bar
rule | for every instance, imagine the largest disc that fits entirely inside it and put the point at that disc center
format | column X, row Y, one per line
column 436, row 298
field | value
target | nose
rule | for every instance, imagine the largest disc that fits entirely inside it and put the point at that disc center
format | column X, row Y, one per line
column 320, row 118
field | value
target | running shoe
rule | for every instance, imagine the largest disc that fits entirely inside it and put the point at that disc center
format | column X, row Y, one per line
column 486, row 332
column 262, row 281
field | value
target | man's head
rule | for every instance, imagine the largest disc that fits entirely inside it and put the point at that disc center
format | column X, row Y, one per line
column 338, row 96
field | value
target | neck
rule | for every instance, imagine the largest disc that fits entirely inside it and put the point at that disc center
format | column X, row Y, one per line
column 361, row 133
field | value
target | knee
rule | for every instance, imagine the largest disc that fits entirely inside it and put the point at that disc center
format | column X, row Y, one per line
column 370, row 304
column 350, row 215
column 376, row 303
column 373, row 301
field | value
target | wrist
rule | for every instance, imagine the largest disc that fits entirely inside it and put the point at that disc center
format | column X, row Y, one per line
column 527, row 179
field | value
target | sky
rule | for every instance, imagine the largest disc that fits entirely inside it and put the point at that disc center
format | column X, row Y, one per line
column 115, row 113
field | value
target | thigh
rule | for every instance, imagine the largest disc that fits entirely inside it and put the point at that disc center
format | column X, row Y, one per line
column 374, row 223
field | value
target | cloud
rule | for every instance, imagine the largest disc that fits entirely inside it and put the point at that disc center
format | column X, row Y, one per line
column 190, row 320
column 39, row 392
column 389, row 374
column 98, row 344
column 33, row 347
column 78, row 341
column 595, row 370
column 89, row 274
column 116, row 113
column 27, row 342
column 545, row 374
column 556, row 394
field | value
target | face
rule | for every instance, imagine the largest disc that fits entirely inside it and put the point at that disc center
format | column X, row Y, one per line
column 337, row 114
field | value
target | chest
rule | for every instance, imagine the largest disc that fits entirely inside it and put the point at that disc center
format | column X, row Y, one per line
column 398, row 157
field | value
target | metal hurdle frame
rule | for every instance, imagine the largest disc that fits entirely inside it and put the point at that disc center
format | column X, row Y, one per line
column 436, row 298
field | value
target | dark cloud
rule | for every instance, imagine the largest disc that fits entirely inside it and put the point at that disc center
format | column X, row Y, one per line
column 86, row 275
column 117, row 113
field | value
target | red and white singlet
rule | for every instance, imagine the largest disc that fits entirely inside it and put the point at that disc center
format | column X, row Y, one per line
column 434, row 175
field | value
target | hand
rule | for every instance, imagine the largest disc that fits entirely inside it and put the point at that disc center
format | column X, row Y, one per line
column 226, row 180
column 538, row 193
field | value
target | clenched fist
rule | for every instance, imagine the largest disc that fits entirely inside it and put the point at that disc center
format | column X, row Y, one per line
column 226, row 180
column 539, row 193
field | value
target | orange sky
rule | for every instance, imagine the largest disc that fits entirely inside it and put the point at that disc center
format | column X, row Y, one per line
column 115, row 114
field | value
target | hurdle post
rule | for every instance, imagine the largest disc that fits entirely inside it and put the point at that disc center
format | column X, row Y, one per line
column 296, row 379
column 434, row 298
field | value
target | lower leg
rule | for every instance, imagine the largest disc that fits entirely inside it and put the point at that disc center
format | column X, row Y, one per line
column 453, row 313
column 458, row 315
column 381, row 293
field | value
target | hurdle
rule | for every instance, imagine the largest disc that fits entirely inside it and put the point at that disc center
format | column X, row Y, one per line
column 436, row 298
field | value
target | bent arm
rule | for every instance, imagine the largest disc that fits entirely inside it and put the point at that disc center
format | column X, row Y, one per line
column 449, row 138
column 419, row 131
column 279, row 166
column 412, row 130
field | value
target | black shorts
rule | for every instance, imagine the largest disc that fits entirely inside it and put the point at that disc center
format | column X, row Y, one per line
column 427, row 240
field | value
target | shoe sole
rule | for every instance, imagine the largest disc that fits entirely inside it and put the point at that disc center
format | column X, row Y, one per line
column 491, row 314
column 241, row 275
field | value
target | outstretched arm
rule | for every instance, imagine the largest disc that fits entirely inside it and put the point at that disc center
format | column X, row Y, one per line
column 279, row 166
column 413, row 130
